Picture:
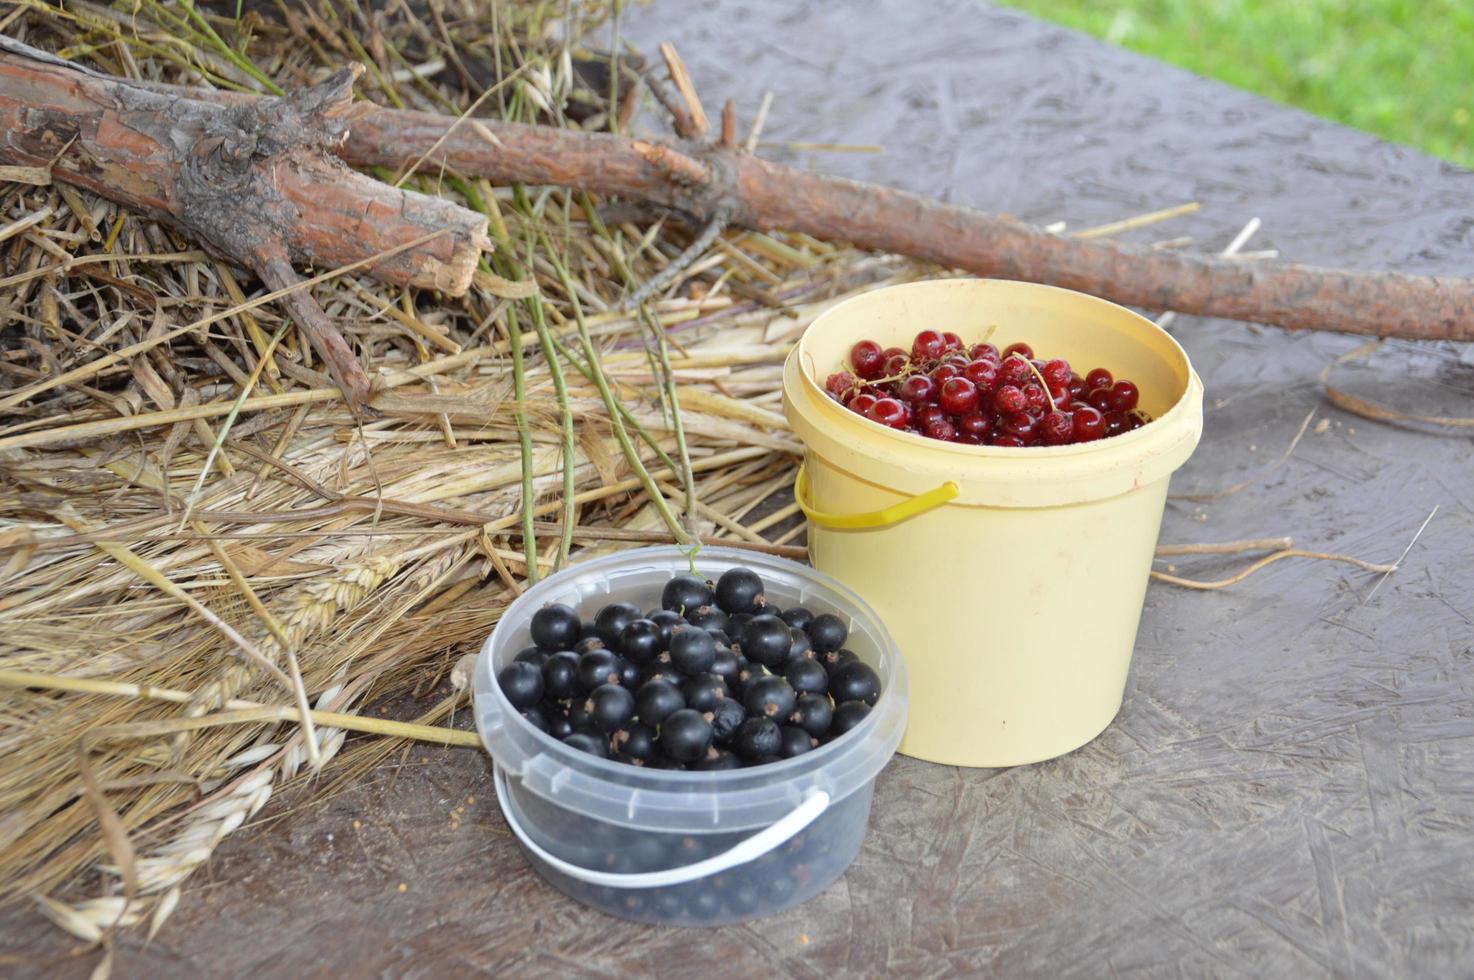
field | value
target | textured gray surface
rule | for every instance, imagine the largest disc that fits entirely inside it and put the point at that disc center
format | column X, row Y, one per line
column 1289, row 789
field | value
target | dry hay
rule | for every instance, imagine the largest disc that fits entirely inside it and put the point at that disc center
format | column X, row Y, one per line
column 194, row 509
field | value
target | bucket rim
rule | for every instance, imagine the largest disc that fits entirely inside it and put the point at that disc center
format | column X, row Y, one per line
column 1180, row 407
column 552, row 765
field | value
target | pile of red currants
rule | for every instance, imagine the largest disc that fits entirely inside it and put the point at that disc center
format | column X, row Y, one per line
column 979, row 396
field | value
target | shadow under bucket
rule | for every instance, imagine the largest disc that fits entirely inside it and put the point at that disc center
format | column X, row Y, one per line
column 1012, row 580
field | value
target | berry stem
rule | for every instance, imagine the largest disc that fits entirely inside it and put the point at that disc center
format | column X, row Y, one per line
column 1042, row 383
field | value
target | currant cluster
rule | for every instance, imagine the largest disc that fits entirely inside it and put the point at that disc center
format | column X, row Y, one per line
column 715, row 678
column 977, row 395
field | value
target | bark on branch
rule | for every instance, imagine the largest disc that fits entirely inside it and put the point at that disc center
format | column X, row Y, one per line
column 705, row 182
column 255, row 181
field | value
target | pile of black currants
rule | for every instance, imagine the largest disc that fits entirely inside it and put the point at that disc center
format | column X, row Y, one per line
column 716, row 678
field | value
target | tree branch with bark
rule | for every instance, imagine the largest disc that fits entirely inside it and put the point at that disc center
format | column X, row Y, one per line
column 197, row 157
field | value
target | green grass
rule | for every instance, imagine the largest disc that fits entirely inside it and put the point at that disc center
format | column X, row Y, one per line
column 1401, row 69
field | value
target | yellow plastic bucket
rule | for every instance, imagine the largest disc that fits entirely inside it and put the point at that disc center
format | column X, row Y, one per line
column 1011, row 579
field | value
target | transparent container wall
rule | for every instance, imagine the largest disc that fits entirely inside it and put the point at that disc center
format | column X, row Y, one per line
column 793, row 873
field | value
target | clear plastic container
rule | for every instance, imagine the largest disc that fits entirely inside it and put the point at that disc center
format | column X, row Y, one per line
column 676, row 847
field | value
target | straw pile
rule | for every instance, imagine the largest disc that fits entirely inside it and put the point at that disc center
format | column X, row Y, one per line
column 193, row 508
column 198, row 538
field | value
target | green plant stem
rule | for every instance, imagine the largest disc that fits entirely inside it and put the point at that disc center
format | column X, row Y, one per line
column 524, row 438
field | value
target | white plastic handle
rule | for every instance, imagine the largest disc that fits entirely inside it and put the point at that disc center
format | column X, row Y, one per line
column 760, row 843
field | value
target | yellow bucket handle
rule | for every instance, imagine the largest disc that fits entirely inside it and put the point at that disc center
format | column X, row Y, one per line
column 894, row 514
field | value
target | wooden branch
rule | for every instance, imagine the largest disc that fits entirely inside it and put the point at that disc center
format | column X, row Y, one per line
column 705, row 182
column 759, row 194
column 256, row 181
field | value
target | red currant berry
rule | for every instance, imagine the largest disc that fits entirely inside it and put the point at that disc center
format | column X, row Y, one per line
column 1057, row 428
column 944, row 431
column 968, row 439
column 895, row 365
column 1124, row 395
column 930, row 415
column 862, row 402
column 1036, row 402
column 1077, row 389
column 943, row 371
column 840, row 383
column 1098, row 378
column 890, row 352
column 1020, row 424
column 1135, row 420
column 1089, row 423
column 982, row 373
column 866, row 359
column 1100, row 398
column 975, row 424
column 1056, row 373
column 959, row 396
column 1061, row 397
column 957, row 359
column 1009, row 398
column 928, row 346
column 984, row 351
column 1012, row 442
column 889, row 412
column 919, row 389
column 1023, row 350
column 951, row 342
column 1115, row 423
column 1015, row 371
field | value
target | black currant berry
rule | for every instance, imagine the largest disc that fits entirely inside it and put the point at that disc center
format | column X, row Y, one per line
column 708, row 618
column 664, row 762
column 835, row 659
column 610, row 621
column 854, row 682
column 740, row 590
column 769, row 697
column 629, row 674
column 597, row 667
column 736, row 623
column 558, row 724
column 592, row 744
column 747, row 672
column 828, row 632
column 692, row 651
column 665, row 619
column 640, row 641
column 717, row 760
column 798, row 617
column 796, row 741
column 660, row 670
column 806, row 676
column 560, row 676
column 727, row 717
column 611, row 707
column 703, row 691
column 813, row 714
column 800, row 647
column 724, row 665
column 685, row 594
column 555, row 627
column 685, row 735
column 531, row 655
column 657, row 700
column 581, row 720
column 536, row 718
column 587, row 643
column 759, row 737
column 636, row 741
column 766, row 641
column 847, row 716
column 522, row 683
